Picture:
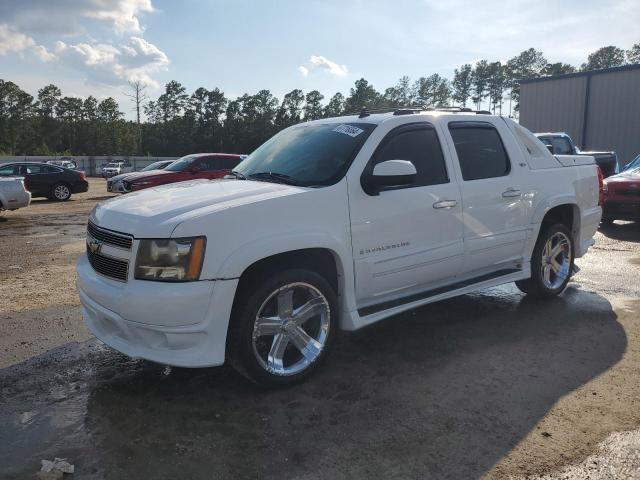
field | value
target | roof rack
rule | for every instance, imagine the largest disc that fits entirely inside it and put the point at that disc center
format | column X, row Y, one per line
column 409, row 110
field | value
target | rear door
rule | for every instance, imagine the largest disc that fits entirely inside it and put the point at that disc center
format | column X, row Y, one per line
column 494, row 210
column 407, row 239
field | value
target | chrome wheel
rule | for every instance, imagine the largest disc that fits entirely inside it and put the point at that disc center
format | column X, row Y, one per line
column 61, row 192
column 556, row 260
column 291, row 329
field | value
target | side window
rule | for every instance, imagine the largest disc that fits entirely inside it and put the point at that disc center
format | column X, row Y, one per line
column 209, row 163
column 6, row 171
column 50, row 169
column 561, row 146
column 30, row 169
column 419, row 145
column 229, row 163
column 480, row 150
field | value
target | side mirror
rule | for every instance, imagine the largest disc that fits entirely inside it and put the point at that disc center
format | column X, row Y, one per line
column 550, row 148
column 390, row 173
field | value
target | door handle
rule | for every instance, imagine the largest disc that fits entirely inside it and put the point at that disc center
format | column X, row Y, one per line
column 445, row 204
column 511, row 193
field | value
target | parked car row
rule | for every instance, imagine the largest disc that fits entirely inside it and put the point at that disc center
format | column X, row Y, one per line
column 46, row 180
column 190, row 167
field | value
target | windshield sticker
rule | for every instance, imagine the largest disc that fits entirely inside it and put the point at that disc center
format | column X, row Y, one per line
column 348, row 130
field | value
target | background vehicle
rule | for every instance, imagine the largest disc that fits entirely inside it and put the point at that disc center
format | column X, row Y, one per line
column 114, row 184
column 64, row 162
column 635, row 163
column 116, row 168
column 334, row 223
column 42, row 180
column 562, row 144
column 190, row 167
column 622, row 197
column 13, row 194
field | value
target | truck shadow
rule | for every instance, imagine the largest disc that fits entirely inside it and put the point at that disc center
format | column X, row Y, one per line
column 444, row 391
column 623, row 231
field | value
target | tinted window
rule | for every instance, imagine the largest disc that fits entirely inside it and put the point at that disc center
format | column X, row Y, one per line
column 480, row 150
column 229, row 162
column 31, row 169
column 53, row 170
column 208, row 164
column 311, row 154
column 419, row 145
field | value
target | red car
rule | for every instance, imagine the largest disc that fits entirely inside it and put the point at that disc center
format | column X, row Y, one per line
column 190, row 167
column 622, row 197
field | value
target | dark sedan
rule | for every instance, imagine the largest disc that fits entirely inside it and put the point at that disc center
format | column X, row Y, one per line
column 51, row 181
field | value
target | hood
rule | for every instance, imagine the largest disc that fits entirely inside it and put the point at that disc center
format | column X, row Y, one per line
column 151, row 174
column 629, row 177
column 130, row 177
column 156, row 212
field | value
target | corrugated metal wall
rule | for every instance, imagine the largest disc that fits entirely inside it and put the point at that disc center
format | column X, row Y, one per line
column 612, row 99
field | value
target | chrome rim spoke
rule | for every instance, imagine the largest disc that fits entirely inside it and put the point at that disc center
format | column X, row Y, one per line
column 310, row 309
column 285, row 303
column 267, row 326
column 309, row 347
column 276, row 354
column 281, row 344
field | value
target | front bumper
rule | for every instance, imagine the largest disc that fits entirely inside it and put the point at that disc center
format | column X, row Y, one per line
column 179, row 324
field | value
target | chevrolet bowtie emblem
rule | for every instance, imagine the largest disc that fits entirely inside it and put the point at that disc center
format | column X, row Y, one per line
column 94, row 245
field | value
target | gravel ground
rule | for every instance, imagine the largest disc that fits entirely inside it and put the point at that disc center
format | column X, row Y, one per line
column 491, row 385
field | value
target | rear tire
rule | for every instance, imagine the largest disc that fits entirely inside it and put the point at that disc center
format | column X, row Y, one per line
column 282, row 327
column 60, row 192
column 551, row 263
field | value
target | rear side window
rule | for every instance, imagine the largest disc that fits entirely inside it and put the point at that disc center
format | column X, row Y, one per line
column 480, row 150
column 420, row 145
column 229, row 163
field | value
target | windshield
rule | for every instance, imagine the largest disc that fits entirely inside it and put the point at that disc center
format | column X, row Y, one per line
column 308, row 154
column 181, row 164
column 153, row 166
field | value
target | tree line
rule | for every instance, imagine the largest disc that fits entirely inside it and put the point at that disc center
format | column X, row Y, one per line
column 178, row 123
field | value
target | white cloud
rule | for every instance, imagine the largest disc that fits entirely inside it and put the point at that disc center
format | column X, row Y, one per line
column 109, row 63
column 12, row 41
column 105, row 63
column 329, row 66
column 68, row 17
column 304, row 71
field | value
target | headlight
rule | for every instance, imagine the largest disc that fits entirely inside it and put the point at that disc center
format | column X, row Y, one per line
column 170, row 260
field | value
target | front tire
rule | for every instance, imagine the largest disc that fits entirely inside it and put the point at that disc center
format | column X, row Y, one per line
column 551, row 263
column 61, row 192
column 282, row 327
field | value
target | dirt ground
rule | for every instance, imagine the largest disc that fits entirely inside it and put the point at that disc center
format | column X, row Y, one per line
column 491, row 384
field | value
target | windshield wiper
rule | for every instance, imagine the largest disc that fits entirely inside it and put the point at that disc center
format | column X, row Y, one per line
column 236, row 174
column 274, row 176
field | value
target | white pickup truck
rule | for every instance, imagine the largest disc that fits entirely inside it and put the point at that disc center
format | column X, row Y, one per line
column 112, row 169
column 13, row 194
column 333, row 224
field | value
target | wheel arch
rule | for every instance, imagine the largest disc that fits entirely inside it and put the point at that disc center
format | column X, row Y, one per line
column 562, row 209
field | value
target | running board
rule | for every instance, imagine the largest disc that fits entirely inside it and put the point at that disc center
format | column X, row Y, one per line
column 379, row 307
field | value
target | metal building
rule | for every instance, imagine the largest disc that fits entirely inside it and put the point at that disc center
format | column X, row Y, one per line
column 599, row 109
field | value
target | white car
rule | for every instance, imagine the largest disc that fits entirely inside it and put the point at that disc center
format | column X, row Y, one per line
column 13, row 194
column 64, row 162
column 333, row 224
column 112, row 169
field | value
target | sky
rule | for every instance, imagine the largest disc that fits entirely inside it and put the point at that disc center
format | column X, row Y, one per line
column 95, row 47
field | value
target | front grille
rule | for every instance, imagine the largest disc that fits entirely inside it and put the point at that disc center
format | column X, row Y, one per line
column 116, row 239
column 109, row 266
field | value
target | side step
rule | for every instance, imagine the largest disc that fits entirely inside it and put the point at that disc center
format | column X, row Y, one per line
column 378, row 307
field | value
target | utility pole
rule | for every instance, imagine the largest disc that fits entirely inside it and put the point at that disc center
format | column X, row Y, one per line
column 137, row 96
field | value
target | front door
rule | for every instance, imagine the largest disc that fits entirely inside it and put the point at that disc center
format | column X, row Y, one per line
column 494, row 210
column 408, row 239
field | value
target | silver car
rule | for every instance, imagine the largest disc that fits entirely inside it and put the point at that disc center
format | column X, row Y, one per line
column 13, row 194
column 114, row 184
